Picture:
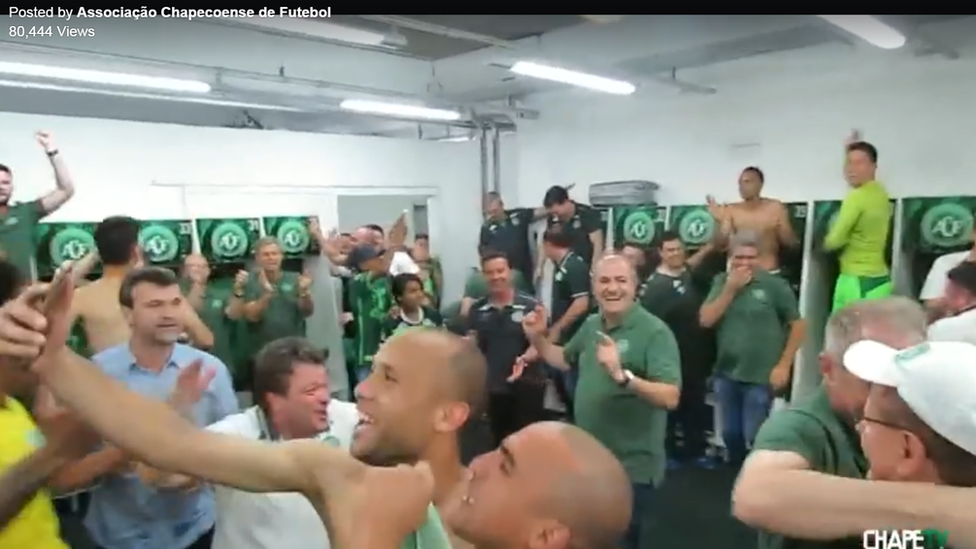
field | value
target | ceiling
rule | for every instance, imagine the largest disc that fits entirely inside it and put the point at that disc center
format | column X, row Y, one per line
column 434, row 47
column 453, row 61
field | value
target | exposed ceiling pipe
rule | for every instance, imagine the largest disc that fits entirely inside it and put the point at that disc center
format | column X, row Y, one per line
column 237, row 73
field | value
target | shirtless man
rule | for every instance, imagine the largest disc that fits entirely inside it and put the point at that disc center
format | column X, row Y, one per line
column 767, row 216
column 538, row 489
column 97, row 304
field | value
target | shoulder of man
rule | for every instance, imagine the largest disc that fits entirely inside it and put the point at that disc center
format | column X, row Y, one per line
column 344, row 414
column 243, row 424
column 796, row 430
column 480, row 304
column 109, row 357
column 526, row 300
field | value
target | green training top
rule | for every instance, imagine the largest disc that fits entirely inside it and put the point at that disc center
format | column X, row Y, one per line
column 431, row 535
column 860, row 231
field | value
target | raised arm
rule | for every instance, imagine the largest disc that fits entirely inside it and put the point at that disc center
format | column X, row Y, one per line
column 65, row 187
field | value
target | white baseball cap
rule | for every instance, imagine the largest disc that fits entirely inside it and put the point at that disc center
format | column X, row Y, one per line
column 935, row 379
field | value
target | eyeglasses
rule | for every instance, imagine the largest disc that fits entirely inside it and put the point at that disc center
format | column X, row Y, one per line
column 883, row 423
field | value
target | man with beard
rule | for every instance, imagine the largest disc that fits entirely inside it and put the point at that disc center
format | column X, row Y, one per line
column 552, row 473
column 18, row 221
column 819, row 435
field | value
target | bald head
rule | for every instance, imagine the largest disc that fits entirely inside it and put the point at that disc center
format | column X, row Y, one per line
column 549, row 485
column 593, row 496
column 424, row 386
column 453, row 361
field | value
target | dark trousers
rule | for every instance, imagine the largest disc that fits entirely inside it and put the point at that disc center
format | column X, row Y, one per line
column 71, row 517
column 202, row 542
column 643, row 499
column 511, row 411
column 693, row 416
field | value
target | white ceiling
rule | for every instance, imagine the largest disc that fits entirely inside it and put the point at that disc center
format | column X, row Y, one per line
column 448, row 61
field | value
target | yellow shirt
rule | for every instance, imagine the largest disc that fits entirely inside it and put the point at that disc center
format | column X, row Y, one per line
column 36, row 527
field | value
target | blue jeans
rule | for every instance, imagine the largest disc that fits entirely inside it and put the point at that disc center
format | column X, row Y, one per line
column 744, row 407
column 641, row 508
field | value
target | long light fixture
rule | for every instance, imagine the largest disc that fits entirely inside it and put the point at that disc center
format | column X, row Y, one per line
column 321, row 30
column 105, row 78
column 398, row 109
column 137, row 95
column 573, row 78
column 868, row 28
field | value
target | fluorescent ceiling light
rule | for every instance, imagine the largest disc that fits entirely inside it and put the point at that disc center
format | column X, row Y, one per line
column 573, row 78
column 102, row 77
column 311, row 28
column 455, row 139
column 869, row 29
column 136, row 95
column 398, row 109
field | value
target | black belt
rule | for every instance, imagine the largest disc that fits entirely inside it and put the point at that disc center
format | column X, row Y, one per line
column 75, row 504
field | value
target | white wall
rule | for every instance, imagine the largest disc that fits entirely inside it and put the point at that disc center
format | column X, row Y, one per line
column 917, row 111
column 237, row 173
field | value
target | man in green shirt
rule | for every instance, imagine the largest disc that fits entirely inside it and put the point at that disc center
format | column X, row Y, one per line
column 672, row 294
column 506, row 230
column 549, row 473
column 570, row 301
column 630, row 376
column 217, row 307
column 18, row 221
column 277, row 302
column 758, row 332
column 371, row 301
column 860, row 232
column 819, row 434
column 581, row 222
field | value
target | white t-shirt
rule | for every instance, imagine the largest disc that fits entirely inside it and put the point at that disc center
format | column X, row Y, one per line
column 935, row 281
column 276, row 520
column 961, row 327
column 403, row 263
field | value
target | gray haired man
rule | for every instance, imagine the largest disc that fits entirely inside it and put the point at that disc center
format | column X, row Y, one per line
column 759, row 330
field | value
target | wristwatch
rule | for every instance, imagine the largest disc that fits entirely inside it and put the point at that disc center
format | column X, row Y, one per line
column 52, row 154
column 628, row 377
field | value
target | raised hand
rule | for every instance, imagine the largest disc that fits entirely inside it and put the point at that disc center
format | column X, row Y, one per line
column 534, row 323
column 22, row 325
column 240, row 280
column 192, row 381
column 608, row 356
column 304, row 282
column 397, row 234
column 266, row 284
column 739, row 278
column 46, row 141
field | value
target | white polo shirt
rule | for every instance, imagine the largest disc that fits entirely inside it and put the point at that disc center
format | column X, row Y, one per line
column 277, row 520
column 935, row 281
column 961, row 327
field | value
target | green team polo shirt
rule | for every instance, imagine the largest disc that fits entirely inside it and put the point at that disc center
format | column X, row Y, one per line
column 17, row 235
column 212, row 313
column 826, row 441
column 431, row 535
column 860, row 231
column 752, row 333
column 630, row 426
column 282, row 317
column 371, row 301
